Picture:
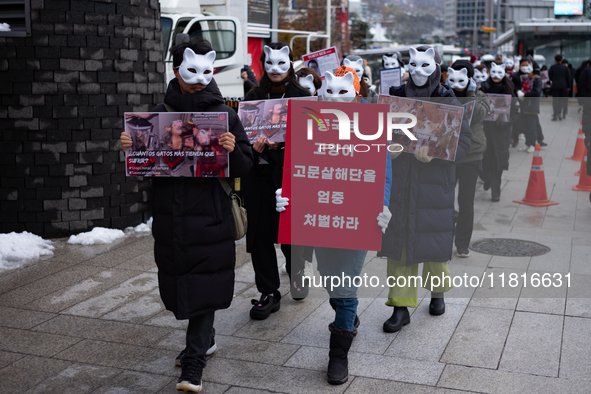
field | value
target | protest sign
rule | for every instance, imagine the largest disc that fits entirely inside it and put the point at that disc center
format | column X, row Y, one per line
column 389, row 77
column 267, row 118
column 469, row 111
column 176, row 144
column 438, row 126
column 526, row 83
column 500, row 107
column 322, row 61
column 335, row 187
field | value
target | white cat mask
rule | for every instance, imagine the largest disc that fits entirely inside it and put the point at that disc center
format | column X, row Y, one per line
column 421, row 65
column 308, row 83
column 391, row 61
column 497, row 71
column 457, row 79
column 479, row 76
column 356, row 65
column 527, row 69
column 340, row 87
column 277, row 60
column 509, row 63
column 197, row 68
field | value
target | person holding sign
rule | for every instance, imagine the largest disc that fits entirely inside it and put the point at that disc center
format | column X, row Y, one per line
column 193, row 226
column 468, row 169
column 498, row 134
column 278, row 81
column 422, row 203
column 343, row 86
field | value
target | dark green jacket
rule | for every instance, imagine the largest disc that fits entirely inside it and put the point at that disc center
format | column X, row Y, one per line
column 481, row 111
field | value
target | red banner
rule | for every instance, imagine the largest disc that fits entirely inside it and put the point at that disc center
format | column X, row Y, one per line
column 333, row 178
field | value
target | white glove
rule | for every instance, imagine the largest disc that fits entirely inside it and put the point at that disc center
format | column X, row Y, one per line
column 421, row 154
column 384, row 218
column 395, row 152
column 281, row 202
column 520, row 94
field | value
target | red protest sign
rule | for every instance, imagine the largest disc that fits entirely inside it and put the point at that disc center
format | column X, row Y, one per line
column 333, row 178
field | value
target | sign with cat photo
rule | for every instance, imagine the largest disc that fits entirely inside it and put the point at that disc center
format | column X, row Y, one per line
column 438, row 126
column 176, row 144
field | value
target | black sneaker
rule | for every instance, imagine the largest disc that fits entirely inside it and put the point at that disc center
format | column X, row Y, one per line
column 212, row 348
column 262, row 308
column 296, row 286
column 190, row 379
column 543, row 144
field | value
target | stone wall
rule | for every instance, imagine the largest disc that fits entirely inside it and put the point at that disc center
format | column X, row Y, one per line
column 63, row 93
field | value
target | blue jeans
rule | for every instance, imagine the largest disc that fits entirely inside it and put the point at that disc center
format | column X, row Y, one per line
column 342, row 263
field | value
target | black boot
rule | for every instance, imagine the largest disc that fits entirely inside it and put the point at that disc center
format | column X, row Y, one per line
column 437, row 305
column 296, row 286
column 334, row 308
column 400, row 317
column 340, row 343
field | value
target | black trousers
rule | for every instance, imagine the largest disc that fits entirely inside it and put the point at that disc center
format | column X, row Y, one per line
column 529, row 127
column 199, row 334
column 466, row 176
column 559, row 102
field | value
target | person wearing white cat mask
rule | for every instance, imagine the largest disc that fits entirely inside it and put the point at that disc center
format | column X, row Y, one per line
column 422, row 196
column 392, row 60
column 498, row 133
column 480, row 74
column 509, row 65
column 194, row 253
column 278, row 81
column 309, row 79
column 336, row 262
column 468, row 169
column 356, row 63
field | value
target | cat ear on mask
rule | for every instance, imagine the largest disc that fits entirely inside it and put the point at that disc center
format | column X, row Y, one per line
column 309, row 77
column 430, row 52
column 413, row 52
column 285, row 51
column 210, row 56
column 328, row 76
column 464, row 71
column 347, row 63
column 267, row 50
column 349, row 78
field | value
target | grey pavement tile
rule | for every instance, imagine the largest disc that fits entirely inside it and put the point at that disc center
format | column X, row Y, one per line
column 500, row 288
column 461, row 272
column 371, row 338
column 32, row 291
column 118, row 355
column 7, row 358
column 228, row 321
column 520, row 263
column 138, row 310
column 372, row 366
column 115, row 297
column 167, row 319
column 362, row 385
column 239, row 287
column 268, row 377
column 578, row 296
column 557, row 260
column 27, row 372
column 142, row 262
column 30, row 273
column 533, row 344
column 21, row 318
column 130, row 382
column 208, row 388
column 426, row 337
column 244, row 390
column 479, row 338
column 174, row 340
column 76, row 378
column 575, row 360
column 75, row 293
column 282, row 322
column 500, row 382
column 34, row 343
column 552, row 306
column 475, row 259
column 498, row 216
column 245, row 273
column 580, row 258
column 527, row 216
column 264, row 352
column 112, row 331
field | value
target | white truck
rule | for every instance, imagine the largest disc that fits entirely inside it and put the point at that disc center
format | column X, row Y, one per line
column 221, row 22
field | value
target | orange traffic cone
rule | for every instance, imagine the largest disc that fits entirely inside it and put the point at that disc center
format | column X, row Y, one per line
column 585, row 180
column 536, row 195
column 579, row 146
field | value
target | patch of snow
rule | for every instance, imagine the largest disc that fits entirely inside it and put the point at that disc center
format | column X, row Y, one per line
column 98, row 236
column 17, row 248
column 4, row 27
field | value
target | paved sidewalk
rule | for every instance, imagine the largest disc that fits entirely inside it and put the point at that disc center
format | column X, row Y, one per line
column 90, row 320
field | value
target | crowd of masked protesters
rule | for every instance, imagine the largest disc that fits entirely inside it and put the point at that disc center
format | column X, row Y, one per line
column 193, row 223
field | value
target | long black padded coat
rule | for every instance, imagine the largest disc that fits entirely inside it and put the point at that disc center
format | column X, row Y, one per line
column 193, row 226
column 422, row 199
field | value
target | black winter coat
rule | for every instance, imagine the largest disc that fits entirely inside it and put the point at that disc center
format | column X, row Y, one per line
column 498, row 134
column 193, row 225
column 267, row 177
column 560, row 76
column 422, row 199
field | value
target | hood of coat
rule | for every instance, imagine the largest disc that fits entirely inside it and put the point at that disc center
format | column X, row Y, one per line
column 189, row 102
